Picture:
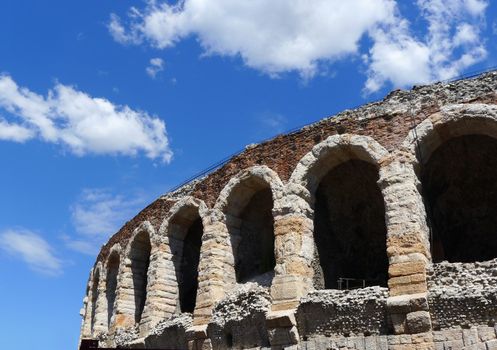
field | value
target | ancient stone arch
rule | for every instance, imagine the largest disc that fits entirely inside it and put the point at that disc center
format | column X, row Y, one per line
column 392, row 144
column 341, row 175
column 331, row 152
column 184, row 230
column 97, row 305
column 455, row 160
column 247, row 202
column 132, row 293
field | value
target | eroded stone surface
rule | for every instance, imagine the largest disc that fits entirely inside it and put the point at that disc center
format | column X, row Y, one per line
column 463, row 294
column 426, row 306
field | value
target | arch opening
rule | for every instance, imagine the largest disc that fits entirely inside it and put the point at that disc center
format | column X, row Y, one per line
column 251, row 228
column 185, row 242
column 349, row 228
column 111, row 284
column 460, row 194
column 140, row 260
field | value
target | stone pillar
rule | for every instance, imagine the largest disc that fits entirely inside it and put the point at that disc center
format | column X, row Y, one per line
column 125, row 297
column 216, row 267
column 162, row 288
column 407, row 244
column 294, row 251
column 100, row 316
column 294, row 248
column 85, row 313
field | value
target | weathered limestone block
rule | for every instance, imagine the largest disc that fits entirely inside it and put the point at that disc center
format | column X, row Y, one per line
column 418, row 322
column 491, row 344
column 347, row 312
column 239, row 319
column 170, row 334
column 463, row 294
column 282, row 328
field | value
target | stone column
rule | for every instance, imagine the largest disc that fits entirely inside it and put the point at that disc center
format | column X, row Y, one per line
column 216, row 274
column 216, row 266
column 100, row 317
column 85, row 312
column 162, row 289
column 125, row 297
column 294, row 251
column 294, row 248
column 407, row 244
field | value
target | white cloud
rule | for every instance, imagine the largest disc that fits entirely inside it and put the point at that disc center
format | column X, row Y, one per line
column 273, row 36
column 83, row 123
column 118, row 32
column 97, row 214
column 31, row 248
column 156, row 66
column 452, row 44
column 307, row 35
column 14, row 132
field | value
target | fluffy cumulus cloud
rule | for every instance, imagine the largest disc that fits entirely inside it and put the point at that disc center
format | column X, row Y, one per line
column 82, row 123
column 274, row 36
column 305, row 35
column 97, row 214
column 31, row 248
column 155, row 66
column 451, row 43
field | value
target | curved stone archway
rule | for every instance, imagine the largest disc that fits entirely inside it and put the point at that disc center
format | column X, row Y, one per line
column 98, row 309
column 184, row 231
column 131, row 296
column 456, row 153
column 331, row 152
column 340, row 176
column 247, row 203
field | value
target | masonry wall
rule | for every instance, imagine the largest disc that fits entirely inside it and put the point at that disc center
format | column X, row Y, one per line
column 402, row 304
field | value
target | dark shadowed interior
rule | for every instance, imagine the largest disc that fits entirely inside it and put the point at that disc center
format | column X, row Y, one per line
column 112, row 272
column 140, row 259
column 349, row 227
column 460, row 193
column 187, row 279
column 255, row 253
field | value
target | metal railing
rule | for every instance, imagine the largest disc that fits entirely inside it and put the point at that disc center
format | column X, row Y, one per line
column 356, row 283
column 219, row 164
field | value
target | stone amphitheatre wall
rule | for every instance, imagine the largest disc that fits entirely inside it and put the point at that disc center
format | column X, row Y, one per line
column 371, row 229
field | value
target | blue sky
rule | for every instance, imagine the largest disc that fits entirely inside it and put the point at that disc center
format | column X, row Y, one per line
column 105, row 105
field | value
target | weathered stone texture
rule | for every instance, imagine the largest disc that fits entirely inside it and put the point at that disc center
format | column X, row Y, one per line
column 348, row 312
column 463, row 294
column 239, row 320
column 354, row 181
